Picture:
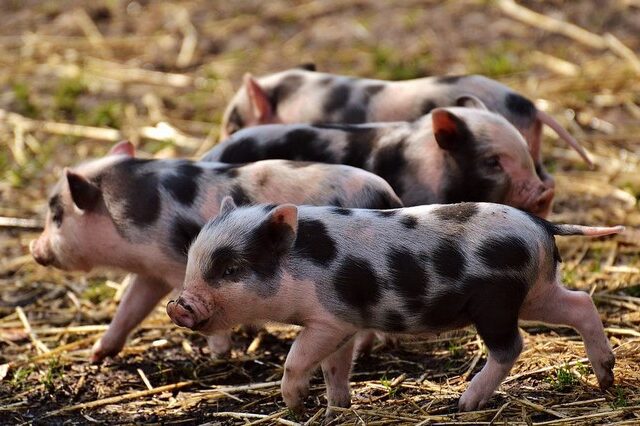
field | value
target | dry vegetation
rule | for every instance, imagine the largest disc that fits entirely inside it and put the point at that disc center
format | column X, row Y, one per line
column 74, row 78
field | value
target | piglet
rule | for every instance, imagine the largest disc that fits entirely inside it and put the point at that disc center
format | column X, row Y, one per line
column 419, row 270
column 450, row 155
column 141, row 215
column 304, row 96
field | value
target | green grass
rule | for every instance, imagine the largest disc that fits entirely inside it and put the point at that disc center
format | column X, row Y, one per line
column 563, row 380
column 98, row 292
column 51, row 375
column 20, row 376
column 389, row 64
column 107, row 114
column 24, row 105
column 391, row 391
column 620, row 397
column 499, row 60
column 66, row 96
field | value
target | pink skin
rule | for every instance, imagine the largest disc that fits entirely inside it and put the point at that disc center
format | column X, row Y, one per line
column 526, row 190
column 397, row 102
column 328, row 341
column 88, row 239
column 322, row 341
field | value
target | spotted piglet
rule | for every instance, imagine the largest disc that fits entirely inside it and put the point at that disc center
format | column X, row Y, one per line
column 284, row 97
column 426, row 269
column 448, row 156
column 141, row 216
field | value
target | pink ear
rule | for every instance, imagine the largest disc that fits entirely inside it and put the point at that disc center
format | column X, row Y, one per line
column 448, row 129
column 260, row 105
column 286, row 214
column 123, row 148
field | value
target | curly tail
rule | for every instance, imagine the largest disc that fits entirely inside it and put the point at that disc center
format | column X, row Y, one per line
column 562, row 132
column 589, row 231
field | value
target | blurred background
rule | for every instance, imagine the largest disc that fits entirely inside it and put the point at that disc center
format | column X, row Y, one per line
column 77, row 76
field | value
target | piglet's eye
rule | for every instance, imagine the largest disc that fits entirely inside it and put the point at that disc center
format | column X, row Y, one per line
column 230, row 271
column 493, row 163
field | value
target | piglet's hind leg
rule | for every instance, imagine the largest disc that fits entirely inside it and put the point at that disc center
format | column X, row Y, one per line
column 557, row 305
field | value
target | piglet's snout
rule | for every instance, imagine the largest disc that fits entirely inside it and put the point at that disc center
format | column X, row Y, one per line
column 181, row 313
column 39, row 253
column 187, row 312
column 541, row 205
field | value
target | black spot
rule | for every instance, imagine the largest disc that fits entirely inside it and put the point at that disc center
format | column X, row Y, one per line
column 336, row 126
column 134, row 187
column 385, row 213
column 509, row 252
column 409, row 221
column 373, row 89
column 182, row 184
column 427, row 106
column 235, row 121
column 448, row 259
column 239, row 195
column 308, row 66
column 354, row 114
column 461, row 212
column 300, row 144
column 314, row 243
column 284, row 89
column 337, row 98
column 229, row 170
column 268, row 243
column 221, row 258
column 359, row 144
column 240, row 150
column 394, row 322
column 325, row 81
column 446, row 310
column 268, row 207
column 335, row 202
column 390, row 163
column 342, row 212
column 380, row 199
column 408, row 278
column 57, row 211
column 449, row 79
column 493, row 304
column 520, row 106
column 183, row 232
column 465, row 179
column 356, row 284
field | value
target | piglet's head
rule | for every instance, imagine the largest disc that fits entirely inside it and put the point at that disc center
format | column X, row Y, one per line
column 251, row 106
column 76, row 223
column 233, row 264
column 487, row 159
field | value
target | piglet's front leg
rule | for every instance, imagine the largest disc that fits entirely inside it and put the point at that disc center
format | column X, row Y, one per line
column 142, row 294
column 313, row 344
column 336, row 369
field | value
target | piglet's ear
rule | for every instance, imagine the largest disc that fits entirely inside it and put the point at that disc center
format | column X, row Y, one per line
column 260, row 104
column 282, row 226
column 123, row 148
column 450, row 131
column 471, row 101
column 227, row 205
column 85, row 195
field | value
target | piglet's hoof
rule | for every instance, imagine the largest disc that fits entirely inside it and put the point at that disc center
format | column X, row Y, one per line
column 471, row 401
column 606, row 381
column 103, row 349
column 219, row 345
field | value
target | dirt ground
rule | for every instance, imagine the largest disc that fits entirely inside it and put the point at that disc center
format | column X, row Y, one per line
column 77, row 76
